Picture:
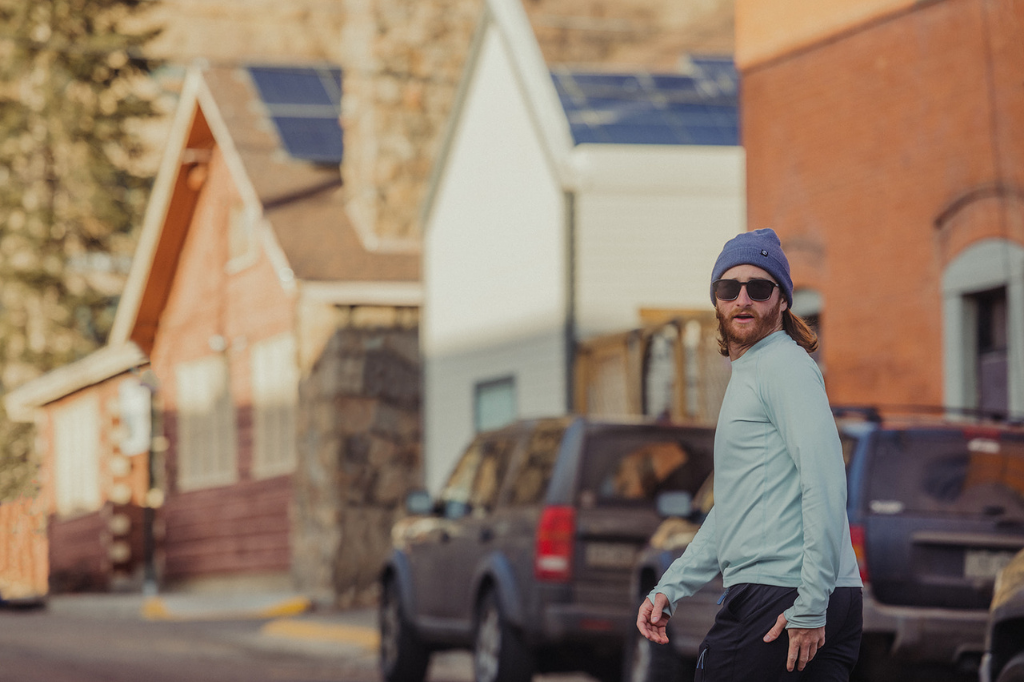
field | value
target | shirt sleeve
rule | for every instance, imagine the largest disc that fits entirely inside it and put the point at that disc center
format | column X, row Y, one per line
column 697, row 565
column 795, row 401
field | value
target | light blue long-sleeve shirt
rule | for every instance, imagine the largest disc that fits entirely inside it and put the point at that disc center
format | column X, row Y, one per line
column 780, row 488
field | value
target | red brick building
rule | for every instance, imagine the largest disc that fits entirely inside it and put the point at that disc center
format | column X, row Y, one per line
column 885, row 145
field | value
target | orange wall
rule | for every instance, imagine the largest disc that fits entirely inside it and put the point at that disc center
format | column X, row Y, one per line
column 856, row 146
column 766, row 29
column 241, row 527
column 23, row 550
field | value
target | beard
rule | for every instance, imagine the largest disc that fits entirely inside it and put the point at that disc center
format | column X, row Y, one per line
column 745, row 338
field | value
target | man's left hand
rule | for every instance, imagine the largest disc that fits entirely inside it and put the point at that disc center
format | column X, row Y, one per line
column 803, row 643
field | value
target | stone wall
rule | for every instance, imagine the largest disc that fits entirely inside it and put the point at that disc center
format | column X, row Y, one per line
column 652, row 35
column 359, row 431
column 402, row 64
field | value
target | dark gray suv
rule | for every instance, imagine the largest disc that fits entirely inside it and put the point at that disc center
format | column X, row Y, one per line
column 936, row 508
column 525, row 556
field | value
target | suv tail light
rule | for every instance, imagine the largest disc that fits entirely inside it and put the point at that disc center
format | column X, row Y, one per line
column 857, row 538
column 556, row 530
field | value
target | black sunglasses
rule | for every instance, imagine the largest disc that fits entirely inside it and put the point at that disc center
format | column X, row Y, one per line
column 757, row 289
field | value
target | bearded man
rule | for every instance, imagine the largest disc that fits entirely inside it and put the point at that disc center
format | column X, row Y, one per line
column 778, row 531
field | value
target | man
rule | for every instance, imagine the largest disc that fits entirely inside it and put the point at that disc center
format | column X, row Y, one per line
column 778, row 531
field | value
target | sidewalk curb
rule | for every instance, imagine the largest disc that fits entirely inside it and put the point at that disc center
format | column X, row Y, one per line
column 291, row 628
column 157, row 608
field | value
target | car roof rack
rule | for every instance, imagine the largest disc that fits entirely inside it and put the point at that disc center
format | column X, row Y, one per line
column 874, row 413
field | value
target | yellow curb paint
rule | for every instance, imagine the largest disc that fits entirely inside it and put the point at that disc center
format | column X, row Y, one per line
column 288, row 607
column 156, row 608
column 322, row 632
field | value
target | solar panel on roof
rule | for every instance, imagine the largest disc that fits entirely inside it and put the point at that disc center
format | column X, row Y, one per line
column 313, row 139
column 305, row 105
column 700, row 108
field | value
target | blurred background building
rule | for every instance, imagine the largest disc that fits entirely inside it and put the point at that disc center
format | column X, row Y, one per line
column 883, row 145
column 213, row 363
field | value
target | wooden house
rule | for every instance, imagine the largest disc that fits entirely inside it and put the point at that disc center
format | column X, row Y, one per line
column 281, row 353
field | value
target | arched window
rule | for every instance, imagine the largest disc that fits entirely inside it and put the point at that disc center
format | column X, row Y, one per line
column 983, row 310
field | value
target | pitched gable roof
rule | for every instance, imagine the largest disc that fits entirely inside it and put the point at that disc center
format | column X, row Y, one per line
column 303, row 223
column 563, row 119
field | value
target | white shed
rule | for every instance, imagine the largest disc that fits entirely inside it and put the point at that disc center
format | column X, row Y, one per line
column 563, row 202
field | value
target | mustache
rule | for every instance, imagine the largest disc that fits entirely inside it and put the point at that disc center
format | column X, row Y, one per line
column 745, row 311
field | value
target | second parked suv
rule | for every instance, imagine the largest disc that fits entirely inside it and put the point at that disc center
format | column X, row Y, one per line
column 936, row 508
column 525, row 555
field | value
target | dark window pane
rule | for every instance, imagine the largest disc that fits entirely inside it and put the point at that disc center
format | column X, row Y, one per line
column 949, row 472
column 623, row 466
column 495, row 454
column 530, row 481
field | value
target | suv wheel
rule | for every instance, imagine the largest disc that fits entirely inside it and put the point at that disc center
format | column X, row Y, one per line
column 1013, row 671
column 646, row 661
column 499, row 654
column 403, row 657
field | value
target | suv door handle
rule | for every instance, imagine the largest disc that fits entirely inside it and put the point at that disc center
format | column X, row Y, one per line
column 486, row 534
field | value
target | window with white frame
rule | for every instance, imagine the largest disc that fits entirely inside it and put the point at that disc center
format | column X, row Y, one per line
column 494, row 403
column 77, row 440
column 983, row 306
column 275, row 385
column 206, row 424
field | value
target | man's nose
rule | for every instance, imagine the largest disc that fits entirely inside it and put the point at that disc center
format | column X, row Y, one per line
column 743, row 299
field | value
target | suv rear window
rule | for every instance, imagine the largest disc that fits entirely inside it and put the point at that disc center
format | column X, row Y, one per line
column 948, row 472
column 626, row 466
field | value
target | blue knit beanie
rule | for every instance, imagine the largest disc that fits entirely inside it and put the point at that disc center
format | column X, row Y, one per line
column 761, row 248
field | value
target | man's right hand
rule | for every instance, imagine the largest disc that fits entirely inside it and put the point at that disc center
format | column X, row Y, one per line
column 651, row 621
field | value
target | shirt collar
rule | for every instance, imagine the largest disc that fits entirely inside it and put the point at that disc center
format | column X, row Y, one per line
column 767, row 341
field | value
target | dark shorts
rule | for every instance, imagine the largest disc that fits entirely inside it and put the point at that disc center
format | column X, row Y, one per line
column 734, row 649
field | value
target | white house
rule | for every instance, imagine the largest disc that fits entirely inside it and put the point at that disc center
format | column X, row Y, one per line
column 563, row 203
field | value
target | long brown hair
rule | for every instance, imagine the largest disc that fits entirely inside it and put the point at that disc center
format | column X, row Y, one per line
column 799, row 331
column 793, row 325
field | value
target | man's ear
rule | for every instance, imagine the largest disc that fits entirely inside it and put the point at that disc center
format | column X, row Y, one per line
column 785, row 305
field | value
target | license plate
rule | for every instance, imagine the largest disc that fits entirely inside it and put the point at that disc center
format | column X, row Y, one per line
column 610, row 555
column 983, row 565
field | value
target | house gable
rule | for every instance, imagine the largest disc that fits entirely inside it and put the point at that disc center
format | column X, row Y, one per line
column 197, row 129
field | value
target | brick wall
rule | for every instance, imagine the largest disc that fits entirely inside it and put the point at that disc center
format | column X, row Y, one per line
column 857, row 146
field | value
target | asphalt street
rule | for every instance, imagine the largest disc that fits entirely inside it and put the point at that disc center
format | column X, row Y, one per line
column 100, row 641
column 41, row 646
column 84, row 644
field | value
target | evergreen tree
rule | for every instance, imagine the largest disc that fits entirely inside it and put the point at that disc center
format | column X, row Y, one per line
column 72, row 85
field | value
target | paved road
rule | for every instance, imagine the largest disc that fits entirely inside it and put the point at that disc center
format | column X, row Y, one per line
column 41, row 646
column 54, row 645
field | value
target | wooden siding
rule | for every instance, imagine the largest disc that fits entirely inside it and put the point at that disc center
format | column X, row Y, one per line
column 648, row 232
column 242, row 527
column 82, row 549
column 495, row 265
column 235, row 529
